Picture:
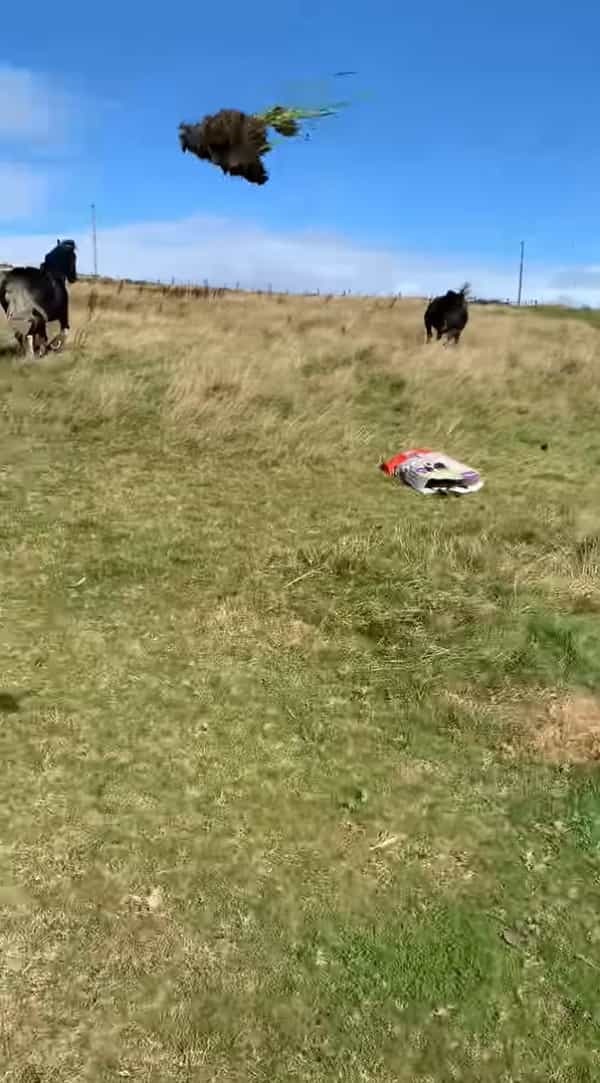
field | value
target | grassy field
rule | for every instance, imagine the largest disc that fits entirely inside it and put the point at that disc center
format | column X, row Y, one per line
column 299, row 768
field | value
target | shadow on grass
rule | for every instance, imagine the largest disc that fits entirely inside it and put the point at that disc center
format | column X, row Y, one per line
column 10, row 702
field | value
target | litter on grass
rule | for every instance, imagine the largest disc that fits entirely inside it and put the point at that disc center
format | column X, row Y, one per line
column 429, row 472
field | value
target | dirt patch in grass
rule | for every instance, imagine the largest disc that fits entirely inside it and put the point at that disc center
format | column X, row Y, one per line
column 567, row 730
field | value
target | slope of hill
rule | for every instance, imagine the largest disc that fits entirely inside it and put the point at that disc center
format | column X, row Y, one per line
column 300, row 768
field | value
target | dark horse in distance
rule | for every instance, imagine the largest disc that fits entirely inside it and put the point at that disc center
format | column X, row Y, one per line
column 38, row 296
column 448, row 315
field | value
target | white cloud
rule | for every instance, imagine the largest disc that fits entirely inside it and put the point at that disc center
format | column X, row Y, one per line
column 23, row 191
column 34, row 117
column 228, row 252
column 578, row 278
column 32, row 109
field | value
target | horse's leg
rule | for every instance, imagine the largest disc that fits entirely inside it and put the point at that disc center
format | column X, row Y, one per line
column 30, row 343
column 63, row 314
column 41, row 337
column 63, row 318
column 36, row 337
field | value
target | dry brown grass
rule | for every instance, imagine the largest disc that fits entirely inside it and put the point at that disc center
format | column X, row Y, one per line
column 225, row 357
column 567, row 730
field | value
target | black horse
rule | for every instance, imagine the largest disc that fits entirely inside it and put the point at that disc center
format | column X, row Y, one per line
column 39, row 295
column 448, row 315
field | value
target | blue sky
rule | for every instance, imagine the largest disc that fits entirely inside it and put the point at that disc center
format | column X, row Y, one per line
column 471, row 127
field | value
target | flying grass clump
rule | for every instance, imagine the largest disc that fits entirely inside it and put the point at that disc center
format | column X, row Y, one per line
column 237, row 142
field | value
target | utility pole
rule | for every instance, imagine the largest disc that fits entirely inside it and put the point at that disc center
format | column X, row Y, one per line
column 521, row 273
column 94, row 240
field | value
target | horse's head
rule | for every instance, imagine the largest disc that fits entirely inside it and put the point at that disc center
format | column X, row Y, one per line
column 62, row 260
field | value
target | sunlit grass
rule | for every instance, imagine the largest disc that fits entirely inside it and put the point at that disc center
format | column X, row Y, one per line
column 299, row 767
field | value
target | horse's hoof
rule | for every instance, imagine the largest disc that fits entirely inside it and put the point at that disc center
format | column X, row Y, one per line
column 57, row 343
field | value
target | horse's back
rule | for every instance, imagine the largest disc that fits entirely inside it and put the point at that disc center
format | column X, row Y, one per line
column 25, row 290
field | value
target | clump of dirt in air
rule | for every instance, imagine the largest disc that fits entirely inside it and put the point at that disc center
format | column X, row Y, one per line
column 236, row 142
column 231, row 140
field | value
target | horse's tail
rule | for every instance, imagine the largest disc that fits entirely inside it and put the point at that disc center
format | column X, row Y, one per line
column 20, row 304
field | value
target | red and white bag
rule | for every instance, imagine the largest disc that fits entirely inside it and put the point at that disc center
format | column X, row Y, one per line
column 430, row 472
